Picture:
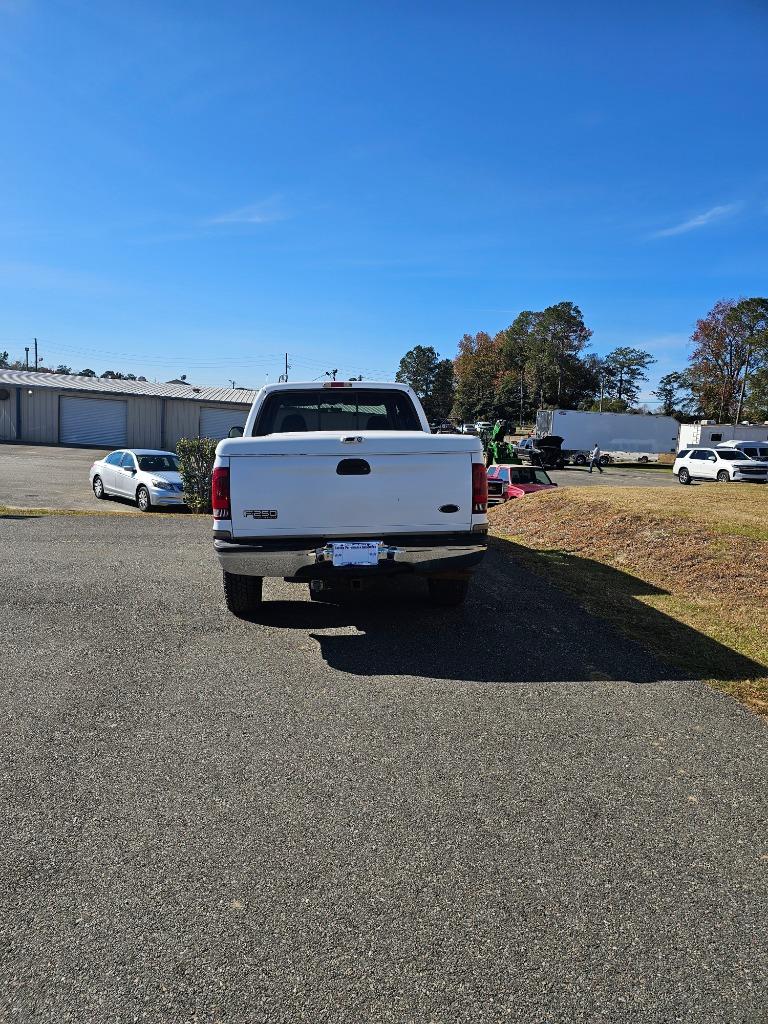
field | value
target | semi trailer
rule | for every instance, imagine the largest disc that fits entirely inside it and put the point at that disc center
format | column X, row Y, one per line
column 635, row 437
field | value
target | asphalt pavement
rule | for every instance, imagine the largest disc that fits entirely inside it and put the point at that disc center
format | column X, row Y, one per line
column 615, row 475
column 373, row 811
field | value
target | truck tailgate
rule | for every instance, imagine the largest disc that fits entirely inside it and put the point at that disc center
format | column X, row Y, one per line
column 333, row 494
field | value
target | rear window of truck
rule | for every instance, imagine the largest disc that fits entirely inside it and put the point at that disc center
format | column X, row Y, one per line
column 326, row 409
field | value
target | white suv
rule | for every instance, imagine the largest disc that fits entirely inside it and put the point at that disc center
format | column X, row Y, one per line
column 757, row 450
column 721, row 464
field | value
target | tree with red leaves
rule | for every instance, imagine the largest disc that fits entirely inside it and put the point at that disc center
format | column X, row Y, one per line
column 729, row 343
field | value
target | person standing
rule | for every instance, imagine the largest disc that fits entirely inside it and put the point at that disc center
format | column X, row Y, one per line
column 594, row 458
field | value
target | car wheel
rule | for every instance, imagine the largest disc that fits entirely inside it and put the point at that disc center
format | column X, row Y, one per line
column 242, row 594
column 580, row 460
column 723, row 477
column 98, row 488
column 605, row 460
column 643, row 459
column 684, row 477
column 447, row 593
column 143, row 500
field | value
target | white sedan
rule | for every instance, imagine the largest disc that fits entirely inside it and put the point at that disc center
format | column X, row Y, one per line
column 144, row 475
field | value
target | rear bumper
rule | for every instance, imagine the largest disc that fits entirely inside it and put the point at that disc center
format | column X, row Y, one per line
column 308, row 558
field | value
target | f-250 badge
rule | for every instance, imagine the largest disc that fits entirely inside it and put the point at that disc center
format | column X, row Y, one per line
column 260, row 513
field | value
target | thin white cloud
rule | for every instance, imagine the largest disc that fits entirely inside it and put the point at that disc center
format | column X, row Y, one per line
column 701, row 220
column 265, row 212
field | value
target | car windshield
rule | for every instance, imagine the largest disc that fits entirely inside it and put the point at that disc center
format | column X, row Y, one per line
column 523, row 475
column 326, row 409
column 158, row 463
column 733, row 456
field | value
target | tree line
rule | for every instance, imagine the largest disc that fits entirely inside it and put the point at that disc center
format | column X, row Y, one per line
column 542, row 361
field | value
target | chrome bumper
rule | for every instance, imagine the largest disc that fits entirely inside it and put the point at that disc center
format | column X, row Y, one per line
column 425, row 555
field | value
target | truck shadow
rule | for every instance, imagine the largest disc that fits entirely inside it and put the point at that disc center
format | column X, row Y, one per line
column 514, row 627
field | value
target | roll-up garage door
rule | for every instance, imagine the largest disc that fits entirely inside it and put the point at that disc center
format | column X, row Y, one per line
column 216, row 423
column 93, row 421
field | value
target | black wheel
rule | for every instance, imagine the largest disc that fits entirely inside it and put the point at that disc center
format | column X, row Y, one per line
column 643, row 459
column 723, row 477
column 242, row 593
column 142, row 499
column 684, row 477
column 605, row 460
column 580, row 460
column 447, row 593
column 98, row 488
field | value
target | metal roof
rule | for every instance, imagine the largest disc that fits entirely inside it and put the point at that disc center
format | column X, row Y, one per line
column 140, row 388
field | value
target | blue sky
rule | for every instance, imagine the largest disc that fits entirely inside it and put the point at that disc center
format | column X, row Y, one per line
column 197, row 187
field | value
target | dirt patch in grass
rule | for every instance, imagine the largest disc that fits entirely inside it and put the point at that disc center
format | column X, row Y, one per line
column 12, row 512
column 683, row 572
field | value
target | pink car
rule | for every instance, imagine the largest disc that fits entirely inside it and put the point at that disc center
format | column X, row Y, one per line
column 506, row 482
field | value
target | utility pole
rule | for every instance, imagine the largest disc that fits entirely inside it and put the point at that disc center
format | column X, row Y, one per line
column 521, row 398
column 284, row 376
column 26, row 357
column 602, row 383
column 331, row 373
column 233, row 385
column 35, row 354
column 739, row 407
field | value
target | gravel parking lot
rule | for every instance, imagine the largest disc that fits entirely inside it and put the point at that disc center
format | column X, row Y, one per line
column 42, row 476
column 35, row 476
column 355, row 813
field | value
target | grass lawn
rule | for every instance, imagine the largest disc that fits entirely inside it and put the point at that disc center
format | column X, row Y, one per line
column 684, row 571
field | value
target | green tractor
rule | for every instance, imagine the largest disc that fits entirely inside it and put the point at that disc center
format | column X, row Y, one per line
column 497, row 450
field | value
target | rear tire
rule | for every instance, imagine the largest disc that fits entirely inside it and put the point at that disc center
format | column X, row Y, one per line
column 98, row 488
column 684, row 477
column 143, row 500
column 242, row 593
column 723, row 477
column 580, row 460
column 447, row 593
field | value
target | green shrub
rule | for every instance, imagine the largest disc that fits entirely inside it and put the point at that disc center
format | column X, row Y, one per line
column 196, row 456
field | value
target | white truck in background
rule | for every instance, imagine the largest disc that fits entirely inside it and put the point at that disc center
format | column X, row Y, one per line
column 334, row 484
column 708, row 433
column 630, row 437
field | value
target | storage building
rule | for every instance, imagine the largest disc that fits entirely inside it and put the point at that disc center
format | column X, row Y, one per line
column 98, row 412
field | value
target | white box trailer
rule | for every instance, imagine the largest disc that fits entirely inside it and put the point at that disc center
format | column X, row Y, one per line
column 637, row 437
column 707, row 432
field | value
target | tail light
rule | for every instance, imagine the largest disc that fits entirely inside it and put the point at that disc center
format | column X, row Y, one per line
column 479, row 488
column 222, row 507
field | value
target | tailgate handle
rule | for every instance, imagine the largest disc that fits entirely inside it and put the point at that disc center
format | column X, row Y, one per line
column 353, row 467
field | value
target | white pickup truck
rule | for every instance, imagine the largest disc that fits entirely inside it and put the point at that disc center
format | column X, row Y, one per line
column 332, row 484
